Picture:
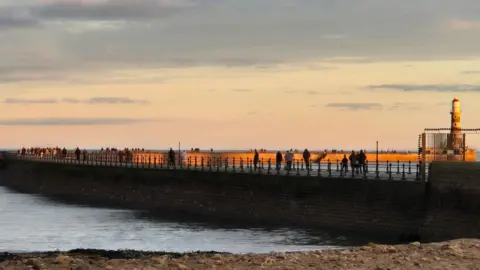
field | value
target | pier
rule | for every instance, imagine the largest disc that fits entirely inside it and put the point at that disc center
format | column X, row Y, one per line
column 240, row 163
column 390, row 199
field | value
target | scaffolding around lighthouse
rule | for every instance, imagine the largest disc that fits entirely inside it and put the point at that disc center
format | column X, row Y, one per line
column 442, row 144
column 455, row 141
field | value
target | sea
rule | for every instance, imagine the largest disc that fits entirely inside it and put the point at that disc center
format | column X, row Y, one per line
column 33, row 223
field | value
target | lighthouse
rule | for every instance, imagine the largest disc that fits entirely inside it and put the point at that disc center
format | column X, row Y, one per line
column 456, row 137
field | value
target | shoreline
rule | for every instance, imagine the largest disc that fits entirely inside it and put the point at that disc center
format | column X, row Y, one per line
column 455, row 254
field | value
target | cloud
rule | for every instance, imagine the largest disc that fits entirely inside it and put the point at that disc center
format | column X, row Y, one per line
column 355, row 106
column 113, row 100
column 29, row 101
column 74, row 121
column 110, row 9
column 463, row 25
column 93, row 100
column 16, row 18
column 470, row 72
column 427, row 87
column 265, row 34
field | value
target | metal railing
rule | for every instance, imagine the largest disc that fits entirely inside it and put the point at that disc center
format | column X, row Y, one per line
column 401, row 171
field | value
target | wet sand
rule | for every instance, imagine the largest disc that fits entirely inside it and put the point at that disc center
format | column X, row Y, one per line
column 457, row 254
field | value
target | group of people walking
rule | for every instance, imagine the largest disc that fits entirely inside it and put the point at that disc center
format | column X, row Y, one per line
column 286, row 158
column 358, row 162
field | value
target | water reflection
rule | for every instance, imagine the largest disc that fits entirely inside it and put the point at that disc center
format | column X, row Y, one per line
column 33, row 223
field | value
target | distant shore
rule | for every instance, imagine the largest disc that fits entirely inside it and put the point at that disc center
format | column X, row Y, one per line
column 457, row 254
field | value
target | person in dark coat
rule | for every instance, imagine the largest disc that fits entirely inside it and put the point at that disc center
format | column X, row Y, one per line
column 306, row 158
column 255, row 160
column 279, row 159
column 171, row 158
column 77, row 153
column 362, row 158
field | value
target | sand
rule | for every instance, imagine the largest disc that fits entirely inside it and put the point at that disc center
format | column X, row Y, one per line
column 457, row 254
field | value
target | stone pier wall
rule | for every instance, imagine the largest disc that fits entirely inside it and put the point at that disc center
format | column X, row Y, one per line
column 393, row 208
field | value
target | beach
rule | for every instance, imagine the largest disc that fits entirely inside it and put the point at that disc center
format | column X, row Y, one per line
column 457, row 254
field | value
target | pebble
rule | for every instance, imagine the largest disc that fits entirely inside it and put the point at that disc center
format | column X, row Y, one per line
column 35, row 263
column 63, row 259
column 182, row 266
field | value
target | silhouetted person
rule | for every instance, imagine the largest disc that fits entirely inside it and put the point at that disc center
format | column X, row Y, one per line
column 345, row 164
column 306, row 158
column 353, row 161
column 171, row 158
column 361, row 161
column 77, row 153
column 64, row 153
column 85, row 153
column 289, row 159
column 255, row 160
column 279, row 159
column 24, row 151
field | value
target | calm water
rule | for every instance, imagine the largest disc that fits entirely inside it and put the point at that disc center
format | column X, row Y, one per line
column 33, row 223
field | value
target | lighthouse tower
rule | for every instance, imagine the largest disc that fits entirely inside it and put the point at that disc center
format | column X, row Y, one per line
column 456, row 137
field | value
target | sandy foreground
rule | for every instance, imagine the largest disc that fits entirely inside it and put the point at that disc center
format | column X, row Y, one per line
column 458, row 254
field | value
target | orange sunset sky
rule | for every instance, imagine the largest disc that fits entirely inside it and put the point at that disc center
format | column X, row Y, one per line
column 236, row 74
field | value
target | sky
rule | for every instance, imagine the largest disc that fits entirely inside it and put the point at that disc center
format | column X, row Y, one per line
column 230, row 74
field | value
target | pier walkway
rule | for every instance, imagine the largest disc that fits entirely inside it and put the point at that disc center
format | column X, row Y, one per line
column 389, row 171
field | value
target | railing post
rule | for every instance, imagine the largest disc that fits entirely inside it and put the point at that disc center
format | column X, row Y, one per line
column 308, row 169
column 155, row 162
column 409, row 167
column 202, row 164
column 189, row 163
column 226, row 164
column 319, row 169
column 338, row 167
column 403, row 172
column 293, row 164
column 233, row 164
column 390, row 172
column 149, row 161
column 377, row 172
column 417, row 177
column 195, row 165
column 261, row 167
column 241, row 164
column 398, row 166
column 248, row 163
column 209, row 162
column 365, row 168
column 298, row 169
column 269, row 165
column 218, row 163
column 387, row 166
column 303, row 161
column 329, row 168
column 161, row 161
